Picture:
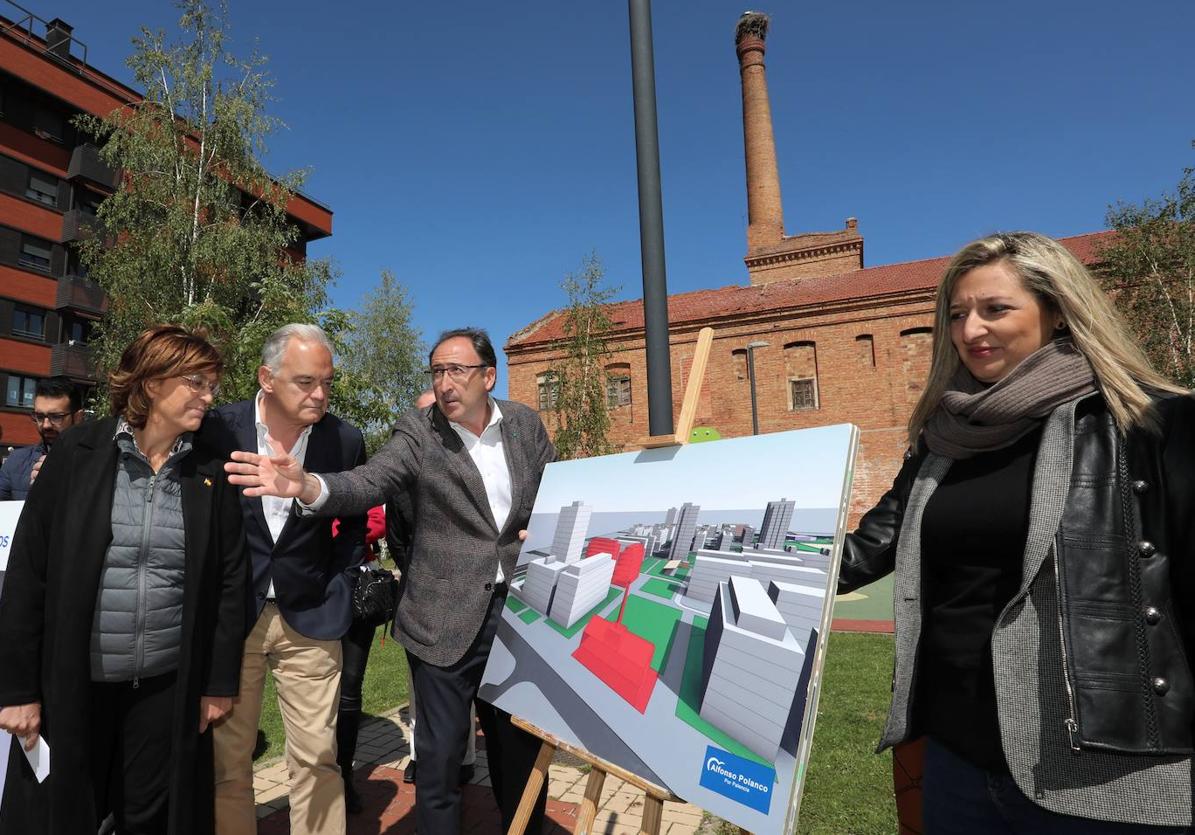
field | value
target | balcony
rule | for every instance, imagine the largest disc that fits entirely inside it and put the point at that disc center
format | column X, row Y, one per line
column 82, row 294
column 72, row 361
column 87, row 164
column 78, row 225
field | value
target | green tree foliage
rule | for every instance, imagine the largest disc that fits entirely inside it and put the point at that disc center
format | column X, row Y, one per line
column 1150, row 268
column 582, row 414
column 381, row 359
column 197, row 231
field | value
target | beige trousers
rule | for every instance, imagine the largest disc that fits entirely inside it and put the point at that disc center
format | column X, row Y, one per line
column 307, row 676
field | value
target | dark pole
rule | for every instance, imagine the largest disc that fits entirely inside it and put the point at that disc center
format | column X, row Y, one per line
column 651, row 222
column 751, row 381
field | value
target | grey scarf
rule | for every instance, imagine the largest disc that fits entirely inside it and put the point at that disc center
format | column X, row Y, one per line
column 973, row 418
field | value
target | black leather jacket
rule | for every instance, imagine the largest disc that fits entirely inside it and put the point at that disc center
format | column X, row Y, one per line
column 1125, row 577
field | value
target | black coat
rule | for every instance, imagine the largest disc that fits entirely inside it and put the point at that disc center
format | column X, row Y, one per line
column 1125, row 576
column 46, row 614
column 307, row 565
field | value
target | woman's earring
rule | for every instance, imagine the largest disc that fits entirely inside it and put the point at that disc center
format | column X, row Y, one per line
column 1061, row 326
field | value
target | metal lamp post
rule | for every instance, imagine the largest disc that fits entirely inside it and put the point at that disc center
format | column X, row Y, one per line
column 751, row 346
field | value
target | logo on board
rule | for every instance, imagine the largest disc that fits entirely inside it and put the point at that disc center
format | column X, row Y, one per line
column 739, row 779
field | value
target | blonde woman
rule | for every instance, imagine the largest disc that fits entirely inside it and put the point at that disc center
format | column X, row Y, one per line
column 1042, row 532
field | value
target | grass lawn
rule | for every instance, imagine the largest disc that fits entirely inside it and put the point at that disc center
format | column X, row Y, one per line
column 385, row 688
column 849, row 788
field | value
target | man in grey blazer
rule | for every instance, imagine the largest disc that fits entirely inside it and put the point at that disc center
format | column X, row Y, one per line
column 470, row 466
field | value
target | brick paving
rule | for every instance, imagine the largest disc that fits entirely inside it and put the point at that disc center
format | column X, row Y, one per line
column 382, row 755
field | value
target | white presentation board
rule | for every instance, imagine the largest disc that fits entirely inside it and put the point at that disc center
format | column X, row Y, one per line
column 670, row 612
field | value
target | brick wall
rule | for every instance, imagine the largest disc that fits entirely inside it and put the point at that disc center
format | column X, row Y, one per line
column 869, row 363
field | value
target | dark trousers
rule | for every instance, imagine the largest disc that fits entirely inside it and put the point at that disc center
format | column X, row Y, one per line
column 130, row 752
column 354, row 656
column 958, row 797
column 442, row 699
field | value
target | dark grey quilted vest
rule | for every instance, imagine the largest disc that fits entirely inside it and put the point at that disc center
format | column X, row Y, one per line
column 137, row 629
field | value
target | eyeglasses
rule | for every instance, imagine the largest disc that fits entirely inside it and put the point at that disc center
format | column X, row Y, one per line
column 55, row 418
column 454, row 371
column 200, row 385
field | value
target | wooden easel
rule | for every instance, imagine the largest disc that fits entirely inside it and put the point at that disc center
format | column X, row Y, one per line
column 653, row 804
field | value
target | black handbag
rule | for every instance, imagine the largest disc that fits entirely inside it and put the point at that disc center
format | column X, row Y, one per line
column 375, row 596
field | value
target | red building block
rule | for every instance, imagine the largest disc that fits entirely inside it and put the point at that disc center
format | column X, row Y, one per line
column 620, row 659
column 628, row 564
column 603, row 545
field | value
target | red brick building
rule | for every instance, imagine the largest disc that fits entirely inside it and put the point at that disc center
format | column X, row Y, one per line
column 832, row 341
column 51, row 181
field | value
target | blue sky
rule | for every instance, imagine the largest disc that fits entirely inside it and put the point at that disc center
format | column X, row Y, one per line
column 480, row 150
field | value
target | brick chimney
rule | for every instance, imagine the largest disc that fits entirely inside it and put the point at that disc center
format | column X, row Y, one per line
column 765, row 215
column 58, row 38
column 771, row 254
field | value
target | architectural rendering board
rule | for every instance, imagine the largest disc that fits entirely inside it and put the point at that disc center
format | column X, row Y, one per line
column 649, row 624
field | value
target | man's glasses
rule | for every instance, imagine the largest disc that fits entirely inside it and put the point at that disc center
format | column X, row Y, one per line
column 200, row 385
column 55, row 418
column 454, row 371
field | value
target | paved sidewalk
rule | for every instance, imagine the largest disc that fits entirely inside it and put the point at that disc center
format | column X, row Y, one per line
column 382, row 755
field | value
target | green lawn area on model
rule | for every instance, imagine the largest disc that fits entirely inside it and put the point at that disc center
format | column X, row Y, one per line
column 514, row 604
column 660, row 588
column 652, row 621
column 529, row 616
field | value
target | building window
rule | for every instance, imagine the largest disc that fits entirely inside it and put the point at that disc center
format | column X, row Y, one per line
column 28, row 322
column 35, row 254
column 20, row 391
column 618, row 391
column 803, row 394
column 738, row 359
column 800, row 369
column 549, row 390
column 865, row 348
column 48, row 124
column 42, row 188
column 76, row 330
column 88, row 201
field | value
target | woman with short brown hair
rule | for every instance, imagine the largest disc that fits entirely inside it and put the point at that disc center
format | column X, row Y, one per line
column 123, row 610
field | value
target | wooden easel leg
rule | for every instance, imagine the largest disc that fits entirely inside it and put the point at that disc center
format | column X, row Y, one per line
column 531, row 793
column 653, row 816
column 589, row 803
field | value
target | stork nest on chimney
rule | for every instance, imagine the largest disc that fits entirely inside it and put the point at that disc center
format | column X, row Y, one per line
column 752, row 24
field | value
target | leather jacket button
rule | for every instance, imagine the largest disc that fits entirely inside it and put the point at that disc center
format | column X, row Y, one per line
column 489, row 586
column 1152, row 616
column 1140, row 486
column 1146, row 549
column 1161, row 686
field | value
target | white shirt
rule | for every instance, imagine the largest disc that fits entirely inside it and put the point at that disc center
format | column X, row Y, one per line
column 276, row 510
column 489, row 456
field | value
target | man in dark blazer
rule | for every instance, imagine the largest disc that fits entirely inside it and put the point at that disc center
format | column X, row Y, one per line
column 470, row 466
column 299, row 605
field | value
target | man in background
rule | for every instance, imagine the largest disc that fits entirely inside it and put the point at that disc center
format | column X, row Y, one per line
column 57, row 406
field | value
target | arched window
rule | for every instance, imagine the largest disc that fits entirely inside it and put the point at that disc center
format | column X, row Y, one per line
column 548, row 385
column 865, row 350
column 800, row 369
column 916, row 349
column 618, row 385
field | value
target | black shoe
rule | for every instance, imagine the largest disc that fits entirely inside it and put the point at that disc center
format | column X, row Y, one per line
column 466, row 776
column 352, row 800
column 408, row 776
